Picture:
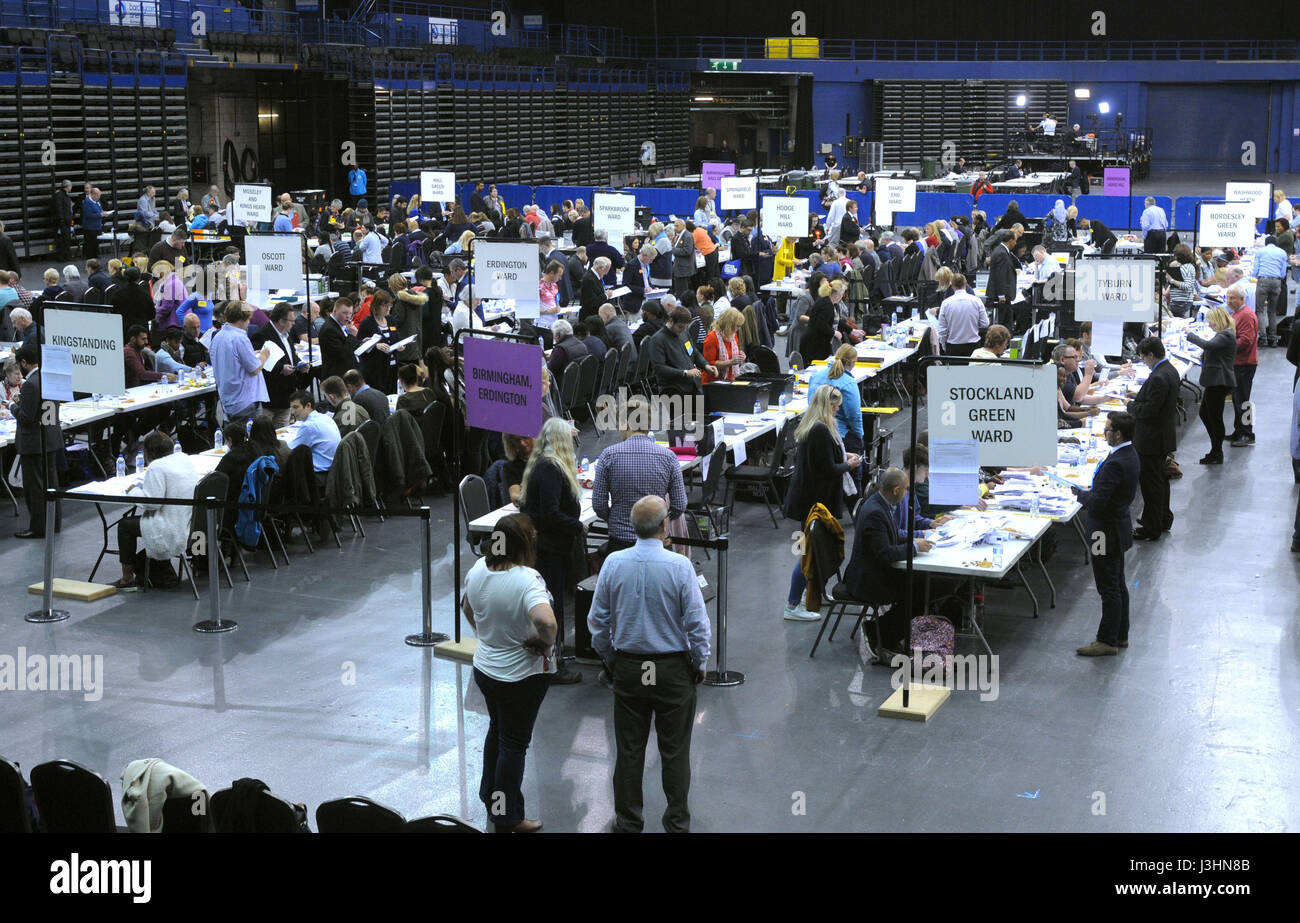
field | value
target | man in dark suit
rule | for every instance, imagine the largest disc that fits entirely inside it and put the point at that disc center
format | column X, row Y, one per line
column 338, row 341
column 1001, row 289
column 8, row 255
column 676, row 370
column 583, row 231
column 593, row 288
column 1103, row 238
column 1078, row 179
column 1107, row 504
column 63, row 220
column 375, row 402
column 1156, row 411
column 280, row 378
column 636, row 276
column 877, row 544
column 477, row 203
column 37, row 452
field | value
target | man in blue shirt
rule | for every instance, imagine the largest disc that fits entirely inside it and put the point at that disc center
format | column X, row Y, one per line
column 284, row 219
column 650, row 627
column 368, row 246
column 1154, row 224
column 236, row 368
column 1269, row 269
column 313, row 429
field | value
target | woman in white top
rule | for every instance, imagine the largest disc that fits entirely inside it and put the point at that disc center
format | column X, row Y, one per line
column 162, row 529
column 509, row 608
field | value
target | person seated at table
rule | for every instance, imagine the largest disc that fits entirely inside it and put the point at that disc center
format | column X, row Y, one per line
column 917, row 467
column 169, row 356
column 241, row 451
column 137, row 339
column 722, row 345
column 163, row 529
column 314, row 429
column 411, row 395
column 193, row 352
column 568, row 348
column 877, row 544
column 996, row 340
column 13, row 381
column 372, row 399
column 1068, row 415
column 593, row 345
column 518, row 450
column 1078, row 386
column 348, row 414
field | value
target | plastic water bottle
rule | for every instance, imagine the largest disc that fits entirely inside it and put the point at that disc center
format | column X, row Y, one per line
column 176, row 447
column 1033, row 505
column 758, row 406
column 997, row 555
column 139, row 463
column 121, row 467
column 584, row 465
column 781, row 402
column 218, row 440
column 652, row 435
column 248, row 427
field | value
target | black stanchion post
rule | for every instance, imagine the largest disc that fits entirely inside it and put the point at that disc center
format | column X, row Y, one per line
column 427, row 636
column 215, row 624
column 47, row 612
column 722, row 676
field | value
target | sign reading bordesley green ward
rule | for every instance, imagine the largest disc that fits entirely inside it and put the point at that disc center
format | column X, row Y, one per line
column 1009, row 410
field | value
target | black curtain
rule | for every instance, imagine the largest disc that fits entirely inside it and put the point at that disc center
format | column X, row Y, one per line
column 803, row 121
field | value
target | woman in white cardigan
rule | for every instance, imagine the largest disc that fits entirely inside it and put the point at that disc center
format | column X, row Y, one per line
column 163, row 529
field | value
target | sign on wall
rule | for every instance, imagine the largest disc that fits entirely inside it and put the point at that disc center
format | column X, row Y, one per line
column 503, row 385
column 1225, row 224
column 894, row 196
column 508, row 270
column 95, row 342
column 1259, row 196
column 738, row 192
column 251, row 203
column 1009, row 410
column 613, row 213
column 1118, row 290
column 785, row 216
column 274, row 263
column 437, row 186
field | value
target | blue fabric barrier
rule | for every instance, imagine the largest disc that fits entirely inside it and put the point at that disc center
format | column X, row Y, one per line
column 1032, row 205
column 1112, row 210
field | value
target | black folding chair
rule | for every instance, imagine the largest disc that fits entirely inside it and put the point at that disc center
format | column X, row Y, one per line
column 72, row 799
column 609, row 371
column 179, row 815
column 358, row 815
column 440, row 823
column 473, row 504
column 14, row 814
column 571, row 388
column 272, row 814
column 641, row 380
column 766, row 360
column 770, row 475
column 431, row 426
column 839, row 597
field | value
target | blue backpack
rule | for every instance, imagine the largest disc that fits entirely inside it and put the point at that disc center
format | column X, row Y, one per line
column 248, row 530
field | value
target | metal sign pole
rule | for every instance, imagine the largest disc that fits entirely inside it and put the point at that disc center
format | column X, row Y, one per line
column 722, row 676
column 427, row 636
column 47, row 612
column 215, row 624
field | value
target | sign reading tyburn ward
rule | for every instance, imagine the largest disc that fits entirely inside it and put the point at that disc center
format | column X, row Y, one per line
column 1122, row 290
column 503, row 385
column 1009, row 410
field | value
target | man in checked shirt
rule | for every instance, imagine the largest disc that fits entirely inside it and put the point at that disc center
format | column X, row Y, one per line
column 632, row 469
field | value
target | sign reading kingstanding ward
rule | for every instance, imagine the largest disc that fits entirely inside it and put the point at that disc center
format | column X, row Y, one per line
column 95, row 342
column 1122, row 290
column 1009, row 410
column 508, row 270
column 503, row 385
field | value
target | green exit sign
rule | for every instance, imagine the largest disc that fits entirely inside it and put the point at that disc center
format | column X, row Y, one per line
column 724, row 64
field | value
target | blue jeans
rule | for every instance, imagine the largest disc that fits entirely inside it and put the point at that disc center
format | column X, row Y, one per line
column 798, row 584
column 512, row 711
column 243, row 414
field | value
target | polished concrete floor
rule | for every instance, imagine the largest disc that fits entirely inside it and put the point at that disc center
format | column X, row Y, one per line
column 1194, row 727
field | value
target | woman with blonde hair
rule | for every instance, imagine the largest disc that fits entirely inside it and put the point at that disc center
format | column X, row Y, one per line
column 462, row 243
column 722, row 346
column 848, row 419
column 822, row 474
column 823, row 317
column 551, row 497
column 1218, row 377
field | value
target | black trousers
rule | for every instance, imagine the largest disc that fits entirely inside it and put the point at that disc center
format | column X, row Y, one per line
column 1154, row 242
column 1108, row 573
column 617, row 544
column 89, row 244
column 1212, row 416
column 665, row 697
column 36, row 478
column 128, row 537
column 512, row 712
column 1241, row 424
column 1154, row 485
column 961, row 349
column 554, row 569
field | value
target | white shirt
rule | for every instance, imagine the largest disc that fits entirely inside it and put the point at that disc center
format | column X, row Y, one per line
column 834, row 217
column 1048, row 126
column 463, row 317
column 501, row 601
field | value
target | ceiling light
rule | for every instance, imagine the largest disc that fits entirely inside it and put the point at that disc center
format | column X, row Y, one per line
column 1021, row 100
column 1082, row 93
column 1103, row 108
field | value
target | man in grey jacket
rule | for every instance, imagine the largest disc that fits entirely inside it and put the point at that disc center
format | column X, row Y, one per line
column 683, row 257
column 617, row 329
column 677, row 370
